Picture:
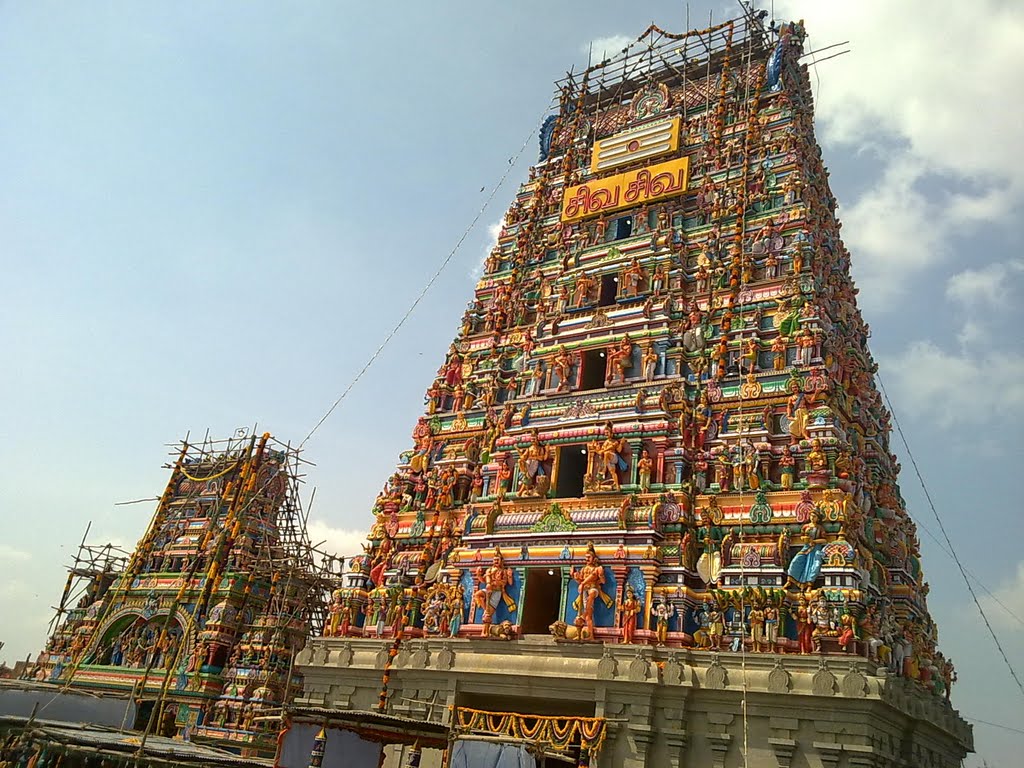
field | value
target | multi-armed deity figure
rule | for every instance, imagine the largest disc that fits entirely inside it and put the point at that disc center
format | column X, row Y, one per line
column 494, row 584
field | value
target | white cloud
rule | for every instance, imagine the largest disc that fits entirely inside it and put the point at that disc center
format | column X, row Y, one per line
column 10, row 554
column 967, row 389
column 891, row 233
column 343, row 542
column 939, row 98
column 493, row 231
column 1011, row 597
column 988, row 287
column 606, row 47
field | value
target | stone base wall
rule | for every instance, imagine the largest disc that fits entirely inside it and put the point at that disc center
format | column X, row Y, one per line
column 666, row 708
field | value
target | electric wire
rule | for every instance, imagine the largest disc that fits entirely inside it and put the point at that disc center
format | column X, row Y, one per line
column 994, row 725
column 945, row 535
column 978, row 582
column 429, row 284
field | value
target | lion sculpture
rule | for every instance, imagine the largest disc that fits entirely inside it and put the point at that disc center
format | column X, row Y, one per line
column 502, row 631
column 562, row 631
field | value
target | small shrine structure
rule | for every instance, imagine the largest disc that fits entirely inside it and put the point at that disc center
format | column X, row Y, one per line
column 201, row 623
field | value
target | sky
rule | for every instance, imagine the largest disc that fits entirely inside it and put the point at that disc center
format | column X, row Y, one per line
column 212, row 214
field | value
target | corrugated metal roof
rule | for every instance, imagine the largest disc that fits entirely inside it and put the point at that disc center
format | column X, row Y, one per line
column 109, row 739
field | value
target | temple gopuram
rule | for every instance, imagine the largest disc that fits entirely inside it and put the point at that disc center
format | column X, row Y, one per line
column 651, row 516
column 201, row 623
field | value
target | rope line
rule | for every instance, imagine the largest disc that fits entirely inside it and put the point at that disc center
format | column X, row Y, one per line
column 945, row 535
column 744, row 434
column 412, row 307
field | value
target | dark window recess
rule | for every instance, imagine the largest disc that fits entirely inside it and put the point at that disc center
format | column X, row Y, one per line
column 622, row 228
column 609, row 290
column 594, row 369
column 543, row 599
column 572, row 466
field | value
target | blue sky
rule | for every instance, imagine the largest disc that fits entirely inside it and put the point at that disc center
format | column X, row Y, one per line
column 212, row 214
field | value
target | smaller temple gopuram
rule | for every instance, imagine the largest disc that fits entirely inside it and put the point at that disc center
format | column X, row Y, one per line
column 202, row 621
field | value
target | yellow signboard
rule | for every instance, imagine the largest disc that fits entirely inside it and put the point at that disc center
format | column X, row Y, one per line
column 626, row 190
column 645, row 143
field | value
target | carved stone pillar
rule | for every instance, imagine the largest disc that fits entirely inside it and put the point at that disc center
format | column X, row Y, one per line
column 620, row 571
column 565, row 591
column 659, row 467
column 521, row 602
column 649, row 578
column 635, row 446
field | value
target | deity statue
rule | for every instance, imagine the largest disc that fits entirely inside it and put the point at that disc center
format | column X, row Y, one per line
column 816, row 459
column 663, row 612
column 804, row 626
column 821, row 618
column 644, row 467
column 806, row 564
column 591, row 586
column 562, row 363
column 607, row 455
column 456, row 603
column 649, row 363
column 584, row 284
column 715, row 624
column 752, row 461
column 787, row 467
column 757, row 636
column 805, row 344
column 631, row 279
column 771, row 627
column 659, row 280
column 620, row 360
column 494, row 584
column 533, row 467
column 723, row 471
column 796, row 413
column 700, row 472
column 778, row 349
column 503, row 479
column 844, row 464
column 748, row 358
column 628, row 612
column 335, row 610
column 847, row 631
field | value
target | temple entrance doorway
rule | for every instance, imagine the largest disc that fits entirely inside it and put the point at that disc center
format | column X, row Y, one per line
column 543, row 600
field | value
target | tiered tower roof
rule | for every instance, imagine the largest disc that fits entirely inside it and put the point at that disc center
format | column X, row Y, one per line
column 663, row 373
column 203, row 620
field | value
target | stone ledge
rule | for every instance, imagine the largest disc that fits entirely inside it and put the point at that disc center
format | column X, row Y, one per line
column 536, row 664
